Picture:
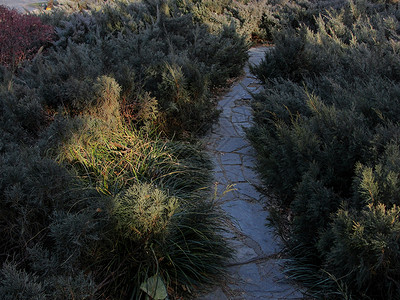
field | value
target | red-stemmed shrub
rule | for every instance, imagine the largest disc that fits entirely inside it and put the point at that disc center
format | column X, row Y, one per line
column 21, row 36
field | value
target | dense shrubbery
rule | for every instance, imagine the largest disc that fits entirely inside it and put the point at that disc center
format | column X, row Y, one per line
column 254, row 19
column 96, row 201
column 21, row 36
column 149, row 49
column 327, row 136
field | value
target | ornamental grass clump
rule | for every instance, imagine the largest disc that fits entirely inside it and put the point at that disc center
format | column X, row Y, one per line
column 112, row 158
column 160, row 220
column 154, row 235
column 143, row 212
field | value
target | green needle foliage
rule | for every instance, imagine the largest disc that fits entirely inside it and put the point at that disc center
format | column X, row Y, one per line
column 97, row 200
column 165, row 63
column 327, row 138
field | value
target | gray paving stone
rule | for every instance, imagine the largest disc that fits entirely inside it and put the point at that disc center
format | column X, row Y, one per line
column 237, row 92
column 252, row 219
column 247, row 151
column 240, row 131
column 243, row 252
column 234, row 174
column 249, row 274
column 258, row 286
column 249, row 192
column 253, row 273
column 230, row 159
column 240, row 118
column 225, row 129
column 244, row 110
column 231, row 144
column 221, row 180
column 225, row 102
column 217, row 294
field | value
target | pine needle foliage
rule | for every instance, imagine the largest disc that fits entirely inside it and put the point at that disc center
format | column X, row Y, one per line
column 142, row 45
column 96, row 201
column 326, row 133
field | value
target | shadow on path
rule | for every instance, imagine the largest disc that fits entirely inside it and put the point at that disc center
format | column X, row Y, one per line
column 256, row 271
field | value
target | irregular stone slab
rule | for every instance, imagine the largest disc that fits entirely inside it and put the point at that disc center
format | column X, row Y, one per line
column 248, row 191
column 240, row 118
column 243, row 110
column 231, row 144
column 247, row 151
column 255, row 272
column 240, row 130
column 243, row 252
column 224, row 129
column 259, row 281
column 234, row 174
column 230, row 159
column 238, row 92
column 217, row 294
column 226, row 102
column 252, row 220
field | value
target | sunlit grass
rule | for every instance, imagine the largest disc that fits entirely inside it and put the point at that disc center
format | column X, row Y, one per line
column 162, row 219
column 110, row 159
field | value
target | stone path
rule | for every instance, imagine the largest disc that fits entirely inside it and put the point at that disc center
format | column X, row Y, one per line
column 255, row 272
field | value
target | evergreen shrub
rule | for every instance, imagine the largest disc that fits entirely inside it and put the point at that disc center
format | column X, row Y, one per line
column 149, row 48
column 84, row 154
column 326, row 132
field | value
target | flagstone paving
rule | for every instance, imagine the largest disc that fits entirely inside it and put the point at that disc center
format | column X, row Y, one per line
column 256, row 270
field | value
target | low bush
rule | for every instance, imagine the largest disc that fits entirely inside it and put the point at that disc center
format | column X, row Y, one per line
column 113, row 202
column 96, row 201
column 149, row 48
column 326, row 135
column 21, row 36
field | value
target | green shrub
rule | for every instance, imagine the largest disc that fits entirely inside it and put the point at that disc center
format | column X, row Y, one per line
column 142, row 47
column 364, row 251
column 161, row 221
column 351, row 43
column 327, row 139
column 46, row 223
column 86, row 162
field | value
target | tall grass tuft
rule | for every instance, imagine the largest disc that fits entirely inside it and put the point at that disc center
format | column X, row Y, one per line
column 160, row 220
